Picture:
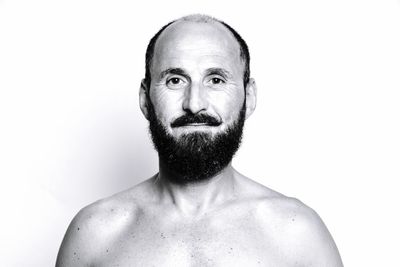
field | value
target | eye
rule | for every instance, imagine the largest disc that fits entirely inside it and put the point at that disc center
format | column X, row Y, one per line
column 175, row 82
column 216, row 80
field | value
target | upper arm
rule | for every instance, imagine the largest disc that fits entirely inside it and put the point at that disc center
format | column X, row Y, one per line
column 76, row 247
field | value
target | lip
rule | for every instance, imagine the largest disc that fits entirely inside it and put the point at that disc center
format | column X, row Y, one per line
column 196, row 125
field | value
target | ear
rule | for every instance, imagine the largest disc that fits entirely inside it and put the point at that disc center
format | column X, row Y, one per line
column 251, row 97
column 143, row 98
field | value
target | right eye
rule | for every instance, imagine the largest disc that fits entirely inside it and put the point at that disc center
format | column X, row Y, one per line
column 175, row 82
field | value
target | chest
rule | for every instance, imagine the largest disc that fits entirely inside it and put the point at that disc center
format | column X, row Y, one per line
column 221, row 241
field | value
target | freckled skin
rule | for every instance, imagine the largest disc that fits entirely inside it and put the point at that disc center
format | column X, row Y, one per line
column 228, row 220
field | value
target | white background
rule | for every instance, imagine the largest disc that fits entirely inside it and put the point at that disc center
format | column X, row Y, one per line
column 326, row 129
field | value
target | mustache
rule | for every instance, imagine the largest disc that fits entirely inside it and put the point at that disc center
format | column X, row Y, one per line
column 196, row 118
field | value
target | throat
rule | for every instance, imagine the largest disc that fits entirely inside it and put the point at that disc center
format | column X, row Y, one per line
column 197, row 198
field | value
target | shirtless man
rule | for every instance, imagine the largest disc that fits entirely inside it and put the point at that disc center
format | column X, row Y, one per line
column 198, row 210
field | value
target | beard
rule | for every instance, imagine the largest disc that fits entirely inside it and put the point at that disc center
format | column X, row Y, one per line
column 196, row 156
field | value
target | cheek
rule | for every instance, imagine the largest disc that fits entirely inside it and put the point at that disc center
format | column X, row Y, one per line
column 228, row 105
column 166, row 104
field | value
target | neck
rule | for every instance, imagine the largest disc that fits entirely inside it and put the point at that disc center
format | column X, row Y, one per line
column 196, row 197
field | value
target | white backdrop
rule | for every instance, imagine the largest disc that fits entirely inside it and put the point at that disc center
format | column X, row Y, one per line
column 326, row 129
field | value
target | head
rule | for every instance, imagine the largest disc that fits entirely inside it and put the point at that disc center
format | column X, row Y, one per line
column 196, row 95
column 244, row 50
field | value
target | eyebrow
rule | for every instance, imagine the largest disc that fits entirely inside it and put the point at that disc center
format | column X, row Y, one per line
column 219, row 71
column 211, row 71
column 177, row 71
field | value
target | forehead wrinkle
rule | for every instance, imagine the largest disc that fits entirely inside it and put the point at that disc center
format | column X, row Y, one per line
column 196, row 47
column 205, row 64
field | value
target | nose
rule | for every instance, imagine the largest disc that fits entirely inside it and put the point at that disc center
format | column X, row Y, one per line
column 195, row 99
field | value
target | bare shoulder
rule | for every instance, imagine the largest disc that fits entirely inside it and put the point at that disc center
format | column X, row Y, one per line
column 97, row 224
column 296, row 228
column 304, row 233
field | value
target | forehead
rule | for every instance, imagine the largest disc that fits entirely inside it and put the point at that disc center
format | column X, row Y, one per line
column 197, row 43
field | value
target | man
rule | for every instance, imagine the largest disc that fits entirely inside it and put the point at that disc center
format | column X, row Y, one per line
column 198, row 210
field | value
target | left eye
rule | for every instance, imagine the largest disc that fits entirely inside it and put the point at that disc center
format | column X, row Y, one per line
column 216, row 80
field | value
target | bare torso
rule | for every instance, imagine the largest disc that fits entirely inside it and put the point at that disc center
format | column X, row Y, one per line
column 233, row 235
column 256, row 227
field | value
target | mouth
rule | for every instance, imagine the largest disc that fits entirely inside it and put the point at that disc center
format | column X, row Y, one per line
column 195, row 121
column 198, row 125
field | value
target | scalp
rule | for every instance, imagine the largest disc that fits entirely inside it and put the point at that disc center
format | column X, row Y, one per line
column 184, row 36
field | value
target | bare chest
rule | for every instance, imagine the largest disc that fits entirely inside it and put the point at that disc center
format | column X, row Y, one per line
column 217, row 241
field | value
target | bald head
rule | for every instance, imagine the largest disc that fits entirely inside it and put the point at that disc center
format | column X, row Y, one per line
column 200, row 28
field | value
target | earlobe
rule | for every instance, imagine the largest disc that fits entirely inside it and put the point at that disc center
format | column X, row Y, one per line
column 251, row 97
column 143, row 99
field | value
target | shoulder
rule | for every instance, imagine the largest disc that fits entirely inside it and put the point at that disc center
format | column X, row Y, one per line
column 300, row 231
column 96, row 225
column 89, row 230
column 296, row 228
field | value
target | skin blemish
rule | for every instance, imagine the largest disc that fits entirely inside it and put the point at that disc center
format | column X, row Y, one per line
column 78, row 228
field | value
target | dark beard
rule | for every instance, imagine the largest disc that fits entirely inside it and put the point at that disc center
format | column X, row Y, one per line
column 195, row 156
